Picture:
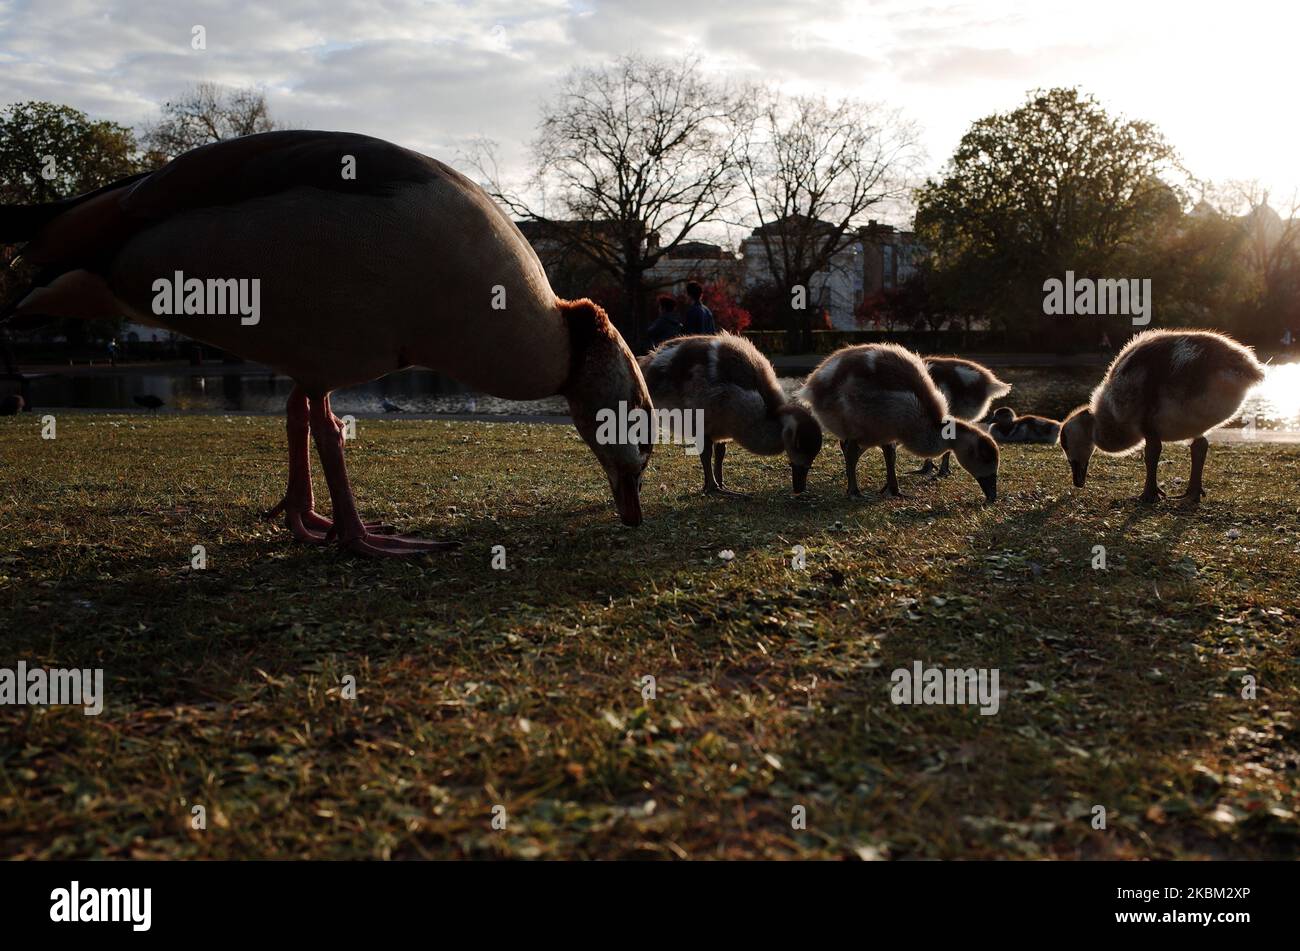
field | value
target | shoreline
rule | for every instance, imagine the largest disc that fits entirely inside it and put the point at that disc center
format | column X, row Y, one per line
column 1233, row 435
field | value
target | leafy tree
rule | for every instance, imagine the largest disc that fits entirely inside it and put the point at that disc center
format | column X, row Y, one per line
column 50, row 151
column 1057, row 184
column 907, row 306
column 1270, row 255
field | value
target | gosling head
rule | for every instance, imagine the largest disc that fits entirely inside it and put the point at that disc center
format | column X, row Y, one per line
column 1004, row 416
column 605, row 384
column 1078, row 440
column 978, row 455
column 802, row 437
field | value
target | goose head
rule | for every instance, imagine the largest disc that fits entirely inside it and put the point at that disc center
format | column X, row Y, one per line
column 1078, row 440
column 978, row 455
column 802, row 438
column 605, row 386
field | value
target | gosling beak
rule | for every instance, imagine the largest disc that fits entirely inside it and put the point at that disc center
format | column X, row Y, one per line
column 627, row 499
column 1080, row 473
column 989, row 484
column 799, row 475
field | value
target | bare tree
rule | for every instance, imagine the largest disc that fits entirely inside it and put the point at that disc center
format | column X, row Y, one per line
column 207, row 113
column 629, row 159
column 811, row 168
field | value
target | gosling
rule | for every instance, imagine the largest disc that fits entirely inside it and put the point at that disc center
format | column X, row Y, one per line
column 969, row 388
column 1008, row 427
column 881, row 395
column 735, row 386
column 1164, row 386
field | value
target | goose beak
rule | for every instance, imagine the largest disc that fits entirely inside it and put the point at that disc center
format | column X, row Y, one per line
column 799, row 475
column 627, row 499
column 1080, row 473
column 989, row 484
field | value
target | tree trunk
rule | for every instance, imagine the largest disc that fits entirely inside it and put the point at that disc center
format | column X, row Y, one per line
column 794, row 318
column 633, row 298
column 793, row 332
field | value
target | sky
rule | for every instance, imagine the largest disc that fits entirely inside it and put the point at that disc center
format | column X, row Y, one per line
column 1217, row 78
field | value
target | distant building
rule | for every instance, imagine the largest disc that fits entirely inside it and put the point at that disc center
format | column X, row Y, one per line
column 889, row 256
column 838, row 288
column 559, row 245
column 692, row 261
column 874, row 258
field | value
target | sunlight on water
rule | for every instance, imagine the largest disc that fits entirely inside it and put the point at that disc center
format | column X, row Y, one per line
column 1275, row 403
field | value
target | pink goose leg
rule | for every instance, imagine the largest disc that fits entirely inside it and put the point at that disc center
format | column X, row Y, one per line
column 299, row 503
column 351, row 533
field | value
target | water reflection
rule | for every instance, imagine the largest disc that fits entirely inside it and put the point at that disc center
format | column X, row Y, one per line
column 1049, row 391
column 237, row 390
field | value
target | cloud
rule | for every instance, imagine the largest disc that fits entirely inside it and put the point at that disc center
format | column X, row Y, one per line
column 432, row 74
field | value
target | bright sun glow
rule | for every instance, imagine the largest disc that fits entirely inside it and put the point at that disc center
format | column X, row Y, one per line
column 1277, row 399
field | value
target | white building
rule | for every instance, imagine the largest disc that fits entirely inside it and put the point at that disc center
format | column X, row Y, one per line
column 838, row 289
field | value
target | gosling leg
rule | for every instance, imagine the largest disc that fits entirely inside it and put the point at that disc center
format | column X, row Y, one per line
column 891, row 475
column 852, row 453
column 711, row 459
column 1200, row 449
column 1151, row 492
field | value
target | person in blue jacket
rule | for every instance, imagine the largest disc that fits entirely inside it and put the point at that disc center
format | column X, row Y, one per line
column 699, row 319
column 666, row 326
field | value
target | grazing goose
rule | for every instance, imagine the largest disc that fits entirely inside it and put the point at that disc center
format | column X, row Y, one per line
column 1164, row 386
column 335, row 259
column 969, row 388
column 881, row 395
column 735, row 386
column 1008, row 427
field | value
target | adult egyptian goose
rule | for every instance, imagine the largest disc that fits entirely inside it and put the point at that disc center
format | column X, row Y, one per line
column 733, row 385
column 969, row 388
column 1008, row 427
column 881, row 395
column 1164, row 386
column 357, row 258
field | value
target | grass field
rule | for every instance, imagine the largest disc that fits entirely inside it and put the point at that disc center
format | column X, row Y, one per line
column 522, row 688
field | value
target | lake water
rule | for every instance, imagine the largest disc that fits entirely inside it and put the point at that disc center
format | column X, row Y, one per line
column 234, row 389
column 1047, row 391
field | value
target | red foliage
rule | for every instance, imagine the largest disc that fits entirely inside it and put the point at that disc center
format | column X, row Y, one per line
column 723, row 298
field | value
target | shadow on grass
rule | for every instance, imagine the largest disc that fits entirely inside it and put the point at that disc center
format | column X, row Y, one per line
column 1110, row 676
column 753, row 657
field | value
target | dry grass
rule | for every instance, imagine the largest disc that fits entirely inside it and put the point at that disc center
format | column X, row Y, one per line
column 522, row 688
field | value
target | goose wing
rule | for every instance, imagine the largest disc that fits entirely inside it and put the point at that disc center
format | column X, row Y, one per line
column 88, row 228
